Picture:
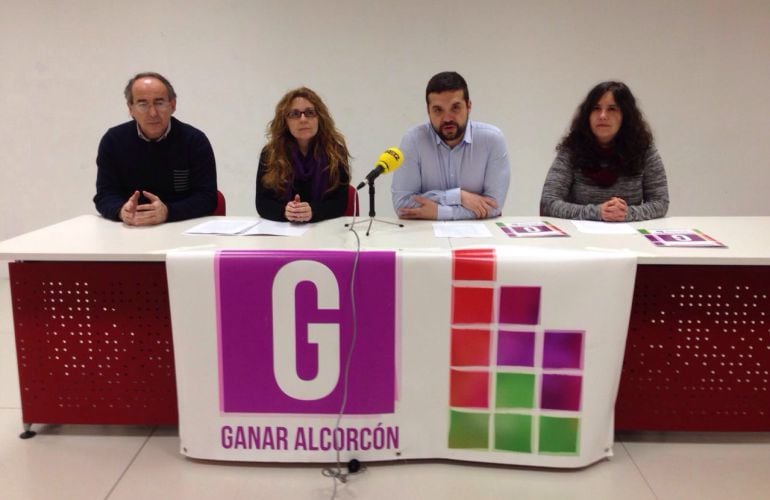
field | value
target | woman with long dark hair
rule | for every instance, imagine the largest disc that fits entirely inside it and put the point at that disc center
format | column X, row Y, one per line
column 304, row 171
column 607, row 167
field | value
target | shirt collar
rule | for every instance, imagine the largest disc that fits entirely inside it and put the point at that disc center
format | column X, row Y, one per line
column 145, row 138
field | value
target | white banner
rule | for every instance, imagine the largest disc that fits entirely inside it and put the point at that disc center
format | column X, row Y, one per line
column 502, row 355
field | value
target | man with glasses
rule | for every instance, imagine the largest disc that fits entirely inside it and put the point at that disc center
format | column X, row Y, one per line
column 154, row 168
column 454, row 168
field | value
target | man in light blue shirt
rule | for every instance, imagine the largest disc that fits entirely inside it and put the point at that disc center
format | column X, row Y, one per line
column 454, row 168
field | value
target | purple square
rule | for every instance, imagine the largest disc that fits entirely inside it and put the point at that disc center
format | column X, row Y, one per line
column 561, row 392
column 285, row 328
column 516, row 348
column 520, row 305
column 563, row 349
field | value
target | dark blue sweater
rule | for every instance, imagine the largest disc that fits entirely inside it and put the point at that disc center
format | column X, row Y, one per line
column 179, row 169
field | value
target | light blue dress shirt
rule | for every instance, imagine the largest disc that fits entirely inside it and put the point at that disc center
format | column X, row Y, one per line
column 479, row 164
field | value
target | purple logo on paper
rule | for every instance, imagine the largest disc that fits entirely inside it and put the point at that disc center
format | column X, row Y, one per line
column 286, row 326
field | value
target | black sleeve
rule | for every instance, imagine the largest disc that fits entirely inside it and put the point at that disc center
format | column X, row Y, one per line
column 110, row 196
column 269, row 206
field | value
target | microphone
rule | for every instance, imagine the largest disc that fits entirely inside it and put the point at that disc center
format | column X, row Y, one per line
column 390, row 160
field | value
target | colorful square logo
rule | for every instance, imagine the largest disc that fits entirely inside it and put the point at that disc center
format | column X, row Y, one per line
column 469, row 389
column 473, row 265
column 531, row 391
column 471, row 305
column 561, row 392
column 470, row 347
column 285, row 327
column 520, row 305
column 563, row 349
column 516, row 348
column 515, row 390
column 559, row 435
column 468, row 430
column 513, row 432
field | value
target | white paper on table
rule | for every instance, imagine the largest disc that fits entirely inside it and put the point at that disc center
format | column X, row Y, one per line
column 461, row 230
column 268, row 227
column 223, row 226
column 596, row 227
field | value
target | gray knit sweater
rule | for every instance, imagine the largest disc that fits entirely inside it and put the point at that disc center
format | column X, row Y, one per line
column 569, row 194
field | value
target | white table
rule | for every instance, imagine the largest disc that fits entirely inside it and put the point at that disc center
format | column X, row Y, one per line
column 679, row 373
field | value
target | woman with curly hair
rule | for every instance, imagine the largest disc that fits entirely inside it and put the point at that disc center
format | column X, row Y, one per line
column 304, row 171
column 607, row 167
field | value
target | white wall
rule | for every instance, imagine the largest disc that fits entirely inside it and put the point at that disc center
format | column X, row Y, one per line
column 700, row 68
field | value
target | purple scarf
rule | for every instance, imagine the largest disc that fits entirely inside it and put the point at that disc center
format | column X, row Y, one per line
column 312, row 169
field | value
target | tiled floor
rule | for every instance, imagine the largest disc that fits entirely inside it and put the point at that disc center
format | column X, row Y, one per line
column 116, row 462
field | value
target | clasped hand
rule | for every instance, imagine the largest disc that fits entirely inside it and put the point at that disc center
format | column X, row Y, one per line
column 614, row 210
column 146, row 214
column 298, row 211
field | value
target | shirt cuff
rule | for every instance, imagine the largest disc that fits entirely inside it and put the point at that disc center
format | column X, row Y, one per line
column 444, row 213
column 452, row 197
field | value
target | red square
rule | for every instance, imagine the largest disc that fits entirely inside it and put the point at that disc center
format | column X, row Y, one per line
column 469, row 389
column 477, row 264
column 471, row 305
column 470, row 347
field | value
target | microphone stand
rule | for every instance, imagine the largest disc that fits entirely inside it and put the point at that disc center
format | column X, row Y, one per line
column 372, row 215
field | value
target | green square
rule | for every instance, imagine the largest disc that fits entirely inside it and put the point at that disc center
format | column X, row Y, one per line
column 468, row 430
column 513, row 432
column 559, row 435
column 515, row 390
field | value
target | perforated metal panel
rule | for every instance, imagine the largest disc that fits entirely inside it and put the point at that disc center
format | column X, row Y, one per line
column 698, row 350
column 94, row 342
column 94, row 346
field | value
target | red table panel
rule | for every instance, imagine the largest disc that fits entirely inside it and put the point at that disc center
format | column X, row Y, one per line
column 93, row 342
column 698, row 350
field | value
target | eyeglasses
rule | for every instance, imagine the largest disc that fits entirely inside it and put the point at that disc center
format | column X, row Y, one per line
column 295, row 114
column 158, row 104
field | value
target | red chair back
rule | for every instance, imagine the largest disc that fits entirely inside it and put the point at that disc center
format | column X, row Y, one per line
column 221, row 204
column 352, row 201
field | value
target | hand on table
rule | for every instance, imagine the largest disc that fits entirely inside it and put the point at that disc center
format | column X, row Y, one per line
column 480, row 205
column 146, row 214
column 298, row 211
column 614, row 210
column 427, row 209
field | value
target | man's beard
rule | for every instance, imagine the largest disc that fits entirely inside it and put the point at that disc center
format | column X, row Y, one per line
column 459, row 131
